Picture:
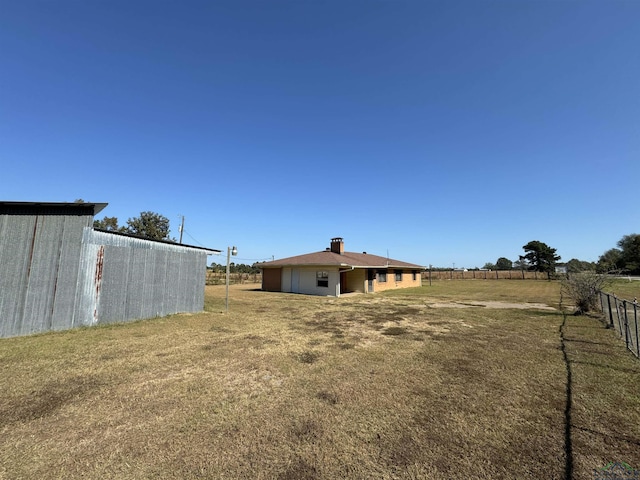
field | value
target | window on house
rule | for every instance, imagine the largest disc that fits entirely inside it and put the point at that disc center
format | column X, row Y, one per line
column 382, row 276
column 415, row 275
column 398, row 275
column 322, row 279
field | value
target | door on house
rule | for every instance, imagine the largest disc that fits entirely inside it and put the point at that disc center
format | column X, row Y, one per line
column 343, row 282
column 371, row 274
column 295, row 280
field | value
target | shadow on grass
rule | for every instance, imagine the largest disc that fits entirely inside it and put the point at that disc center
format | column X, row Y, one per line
column 50, row 398
column 568, row 447
column 607, row 436
column 585, row 341
column 608, row 367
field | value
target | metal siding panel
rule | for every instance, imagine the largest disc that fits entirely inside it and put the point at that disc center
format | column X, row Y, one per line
column 112, row 307
column 201, row 266
column 178, row 285
column 183, row 304
column 197, row 282
column 68, row 273
column 86, row 302
column 160, row 283
column 187, row 282
column 16, row 233
column 173, row 282
column 148, row 285
column 134, row 285
column 42, row 274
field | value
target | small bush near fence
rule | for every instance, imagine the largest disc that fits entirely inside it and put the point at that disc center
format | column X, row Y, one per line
column 622, row 315
column 218, row 278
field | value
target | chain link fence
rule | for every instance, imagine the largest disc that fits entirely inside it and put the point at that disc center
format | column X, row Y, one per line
column 622, row 315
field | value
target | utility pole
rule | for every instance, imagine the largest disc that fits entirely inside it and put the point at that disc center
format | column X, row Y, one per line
column 181, row 228
column 230, row 251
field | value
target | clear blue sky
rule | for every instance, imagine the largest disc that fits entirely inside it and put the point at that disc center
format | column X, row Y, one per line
column 437, row 132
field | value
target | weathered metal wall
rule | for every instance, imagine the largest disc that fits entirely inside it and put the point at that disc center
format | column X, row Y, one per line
column 39, row 259
column 56, row 273
column 126, row 278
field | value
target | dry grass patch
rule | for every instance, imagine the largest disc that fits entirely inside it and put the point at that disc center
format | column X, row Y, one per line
column 290, row 386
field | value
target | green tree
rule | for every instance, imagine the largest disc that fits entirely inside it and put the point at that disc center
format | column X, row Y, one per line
column 630, row 252
column 108, row 223
column 610, row 261
column 576, row 266
column 521, row 263
column 504, row 264
column 489, row 266
column 149, row 225
column 540, row 256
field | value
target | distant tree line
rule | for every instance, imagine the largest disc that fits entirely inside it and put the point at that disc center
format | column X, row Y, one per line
column 234, row 268
column 540, row 257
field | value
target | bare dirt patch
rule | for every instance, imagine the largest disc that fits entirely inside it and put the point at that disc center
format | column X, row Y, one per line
column 496, row 305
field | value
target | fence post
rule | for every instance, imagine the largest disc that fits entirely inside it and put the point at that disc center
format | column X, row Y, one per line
column 626, row 324
column 610, row 313
column 635, row 320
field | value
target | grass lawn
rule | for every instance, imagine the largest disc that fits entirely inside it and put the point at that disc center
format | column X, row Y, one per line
column 463, row 379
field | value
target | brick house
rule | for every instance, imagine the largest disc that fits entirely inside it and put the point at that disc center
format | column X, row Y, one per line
column 334, row 271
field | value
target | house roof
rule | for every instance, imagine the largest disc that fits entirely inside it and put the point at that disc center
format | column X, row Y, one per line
column 345, row 259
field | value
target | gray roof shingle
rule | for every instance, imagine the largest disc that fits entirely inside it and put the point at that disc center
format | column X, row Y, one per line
column 346, row 259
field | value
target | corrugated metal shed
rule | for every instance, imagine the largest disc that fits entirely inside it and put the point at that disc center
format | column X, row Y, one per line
column 56, row 272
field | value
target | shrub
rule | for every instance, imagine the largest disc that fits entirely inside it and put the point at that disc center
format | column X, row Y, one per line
column 583, row 289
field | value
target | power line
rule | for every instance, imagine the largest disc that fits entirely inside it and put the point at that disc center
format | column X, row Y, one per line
column 253, row 259
column 191, row 237
column 237, row 258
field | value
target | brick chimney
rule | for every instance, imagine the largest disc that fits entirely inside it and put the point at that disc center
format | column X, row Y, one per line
column 337, row 245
